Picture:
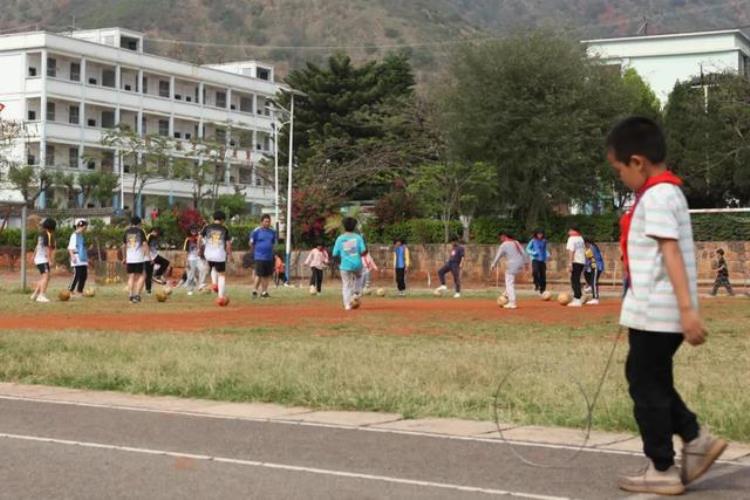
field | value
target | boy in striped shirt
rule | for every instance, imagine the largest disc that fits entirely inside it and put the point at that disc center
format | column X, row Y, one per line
column 660, row 308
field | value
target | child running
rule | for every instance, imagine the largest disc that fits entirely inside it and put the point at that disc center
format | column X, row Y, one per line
column 136, row 252
column 594, row 269
column 722, row 275
column 401, row 263
column 43, row 256
column 192, row 259
column 279, row 271
column 539, row 253
column 516, row 261
column 349, row 248
column 453, row 265
column 660, row 309
column 217, row 249
column 576, row 248
column 317, row 261
column 79, row 258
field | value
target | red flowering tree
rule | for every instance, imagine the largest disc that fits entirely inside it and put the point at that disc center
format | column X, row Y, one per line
column 311, row 207
column 188, row 217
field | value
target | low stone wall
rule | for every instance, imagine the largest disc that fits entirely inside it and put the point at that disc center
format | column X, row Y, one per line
column 427, row 259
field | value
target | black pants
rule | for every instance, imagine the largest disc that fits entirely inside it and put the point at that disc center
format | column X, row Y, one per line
column 79, row 279
column 401, row 278
column 592, row 279
column 659, row 410
column 575, row 280
column 539, row 272
column 455, row 270
column 722, row 280
column 316, row 279
column 150, row 274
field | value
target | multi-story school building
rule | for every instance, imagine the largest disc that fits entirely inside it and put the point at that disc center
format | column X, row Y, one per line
column 70, row 88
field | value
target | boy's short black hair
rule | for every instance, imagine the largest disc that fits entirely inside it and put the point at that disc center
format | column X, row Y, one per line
column 194, row 228
column 575, row 228
column 49, row 224
column 506, row 234
column 219, row 215
column 135, row 220
column 720, row 251
column 264, row 217
column 637, row 136
column 399, row 240
column 350, row 224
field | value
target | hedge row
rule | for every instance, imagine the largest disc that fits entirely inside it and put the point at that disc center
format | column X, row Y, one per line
column 706, row 227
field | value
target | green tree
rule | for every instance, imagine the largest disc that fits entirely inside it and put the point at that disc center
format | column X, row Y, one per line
column 29, row 181
column 536, row 108
column 708, row 134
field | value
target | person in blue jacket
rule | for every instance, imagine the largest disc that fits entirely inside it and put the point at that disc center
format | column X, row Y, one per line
column 593, row 270
column 539, row 254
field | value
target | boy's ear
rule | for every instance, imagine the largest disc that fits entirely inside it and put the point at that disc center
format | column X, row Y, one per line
column 638, row 162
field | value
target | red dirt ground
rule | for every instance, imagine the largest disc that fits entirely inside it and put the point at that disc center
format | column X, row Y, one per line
column 402, row 316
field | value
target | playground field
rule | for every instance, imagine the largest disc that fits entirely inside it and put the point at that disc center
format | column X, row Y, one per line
column 419, row 355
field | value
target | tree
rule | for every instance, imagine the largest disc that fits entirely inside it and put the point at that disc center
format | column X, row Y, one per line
column 398, row 205
column 68, row 182
column 454, row 189
column 537, row 109
column 10, row 134
column 312, row 206
column 708, row 134
column 29, row 181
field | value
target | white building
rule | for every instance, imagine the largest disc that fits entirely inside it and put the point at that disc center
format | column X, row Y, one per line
column 70, row 88
column 663, row 60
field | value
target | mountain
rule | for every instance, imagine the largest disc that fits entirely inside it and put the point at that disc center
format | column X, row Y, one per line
column 274, row 30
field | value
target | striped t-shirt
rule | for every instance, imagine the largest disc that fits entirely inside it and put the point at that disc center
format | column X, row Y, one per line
column 650, row 303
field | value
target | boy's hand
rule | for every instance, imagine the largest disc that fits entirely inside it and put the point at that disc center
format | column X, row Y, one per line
column 692, row 328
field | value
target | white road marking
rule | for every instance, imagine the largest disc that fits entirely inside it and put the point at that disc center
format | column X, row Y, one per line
column 477, row 438
column 285, row 467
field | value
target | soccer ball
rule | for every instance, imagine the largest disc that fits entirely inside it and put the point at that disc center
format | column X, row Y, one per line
column 161, row 296
column 367, row 291
column 108, row 281
column 313, row 290
column 564, row 299
column 64, row 295
column 438, row 292
column 355, row 303
column 547, row 296
column 222, row 301
column 89, row 292
column 380, row 292
column 167, row 290
column 502, row 300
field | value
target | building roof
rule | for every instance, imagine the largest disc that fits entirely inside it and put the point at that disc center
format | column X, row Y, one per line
column 690, row 34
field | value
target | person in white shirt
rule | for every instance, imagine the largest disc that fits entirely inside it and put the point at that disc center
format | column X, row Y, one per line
column 576, row 248
column 79, row 258
column 43, row 254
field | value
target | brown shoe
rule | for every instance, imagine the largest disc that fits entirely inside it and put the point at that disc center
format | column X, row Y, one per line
column 700, row 454
column 654, row 481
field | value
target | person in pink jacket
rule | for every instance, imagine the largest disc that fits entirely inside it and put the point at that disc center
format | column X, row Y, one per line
column 368, row 266
column 317, row 260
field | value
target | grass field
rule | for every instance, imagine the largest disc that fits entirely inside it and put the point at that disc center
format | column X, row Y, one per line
column 418, row 356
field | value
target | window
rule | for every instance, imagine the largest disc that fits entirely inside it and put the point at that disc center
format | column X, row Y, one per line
column 145, row 85
column 264, row 74
column 50, row 153
column 32, row 115
column 108, row 119
column 74, row 115
column 197, row 92
column 144, row 125
column 163, row 88
column 30, row 159
column 50, row 111
column 75, row 72
column 164, row 128
column 108, row 78
column 32, row 71
column 221, row 135
column 51, row 67
column 221, row 99
column 246, row 104
column 73, row 157
column 91, row 165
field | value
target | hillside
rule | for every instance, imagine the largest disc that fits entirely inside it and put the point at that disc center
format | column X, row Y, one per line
column 273, row 27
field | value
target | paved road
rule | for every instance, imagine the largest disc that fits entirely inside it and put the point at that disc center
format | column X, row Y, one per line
column 57, row 450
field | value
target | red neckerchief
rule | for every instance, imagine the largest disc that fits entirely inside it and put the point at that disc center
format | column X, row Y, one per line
column 627, row 218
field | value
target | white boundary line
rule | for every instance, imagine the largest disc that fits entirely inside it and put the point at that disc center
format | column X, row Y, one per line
column 285, row 467
column 290, row 421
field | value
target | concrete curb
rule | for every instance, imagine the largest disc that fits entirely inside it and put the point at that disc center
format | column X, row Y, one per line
column 738, row 453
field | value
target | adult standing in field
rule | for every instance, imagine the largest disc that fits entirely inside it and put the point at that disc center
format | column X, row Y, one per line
column 217, row 249
column 453, row 265
column 262, row 241
column 539, row 253
column 401, row 263
column 136, row 251
column 79, row 258
column 43, row 255
column 349, row 248
column 576, row 248
column 516, row 261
